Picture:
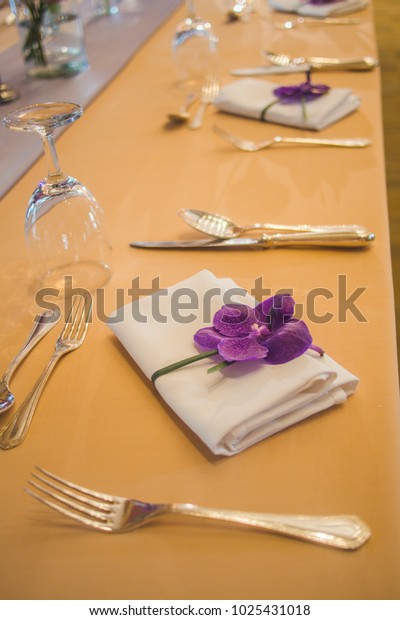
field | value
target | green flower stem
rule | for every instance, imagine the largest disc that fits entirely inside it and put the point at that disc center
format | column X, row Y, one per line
column 33, row 47
column 185, row 362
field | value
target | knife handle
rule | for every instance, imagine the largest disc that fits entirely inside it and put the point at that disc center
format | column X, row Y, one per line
column 351, row 64
column 339, row 239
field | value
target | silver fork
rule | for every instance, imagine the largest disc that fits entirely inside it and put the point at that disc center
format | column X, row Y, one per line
column 71, row 337
column 251, row 146
column 209, row 91
column 110, row 513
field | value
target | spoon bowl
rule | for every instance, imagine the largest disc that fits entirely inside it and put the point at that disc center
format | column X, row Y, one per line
column 221, row 227
column 183, row 115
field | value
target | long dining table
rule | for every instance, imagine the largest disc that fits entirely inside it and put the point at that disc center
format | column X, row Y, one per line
column 101, row 423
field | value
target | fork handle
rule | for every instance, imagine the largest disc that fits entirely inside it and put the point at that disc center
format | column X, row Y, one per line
column 341, row 531
column 197, row 121
column 341, row 142
column 14, row 433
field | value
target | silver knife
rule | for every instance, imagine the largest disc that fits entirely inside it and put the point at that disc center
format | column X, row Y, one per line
column 271, row 70
column 352, row 238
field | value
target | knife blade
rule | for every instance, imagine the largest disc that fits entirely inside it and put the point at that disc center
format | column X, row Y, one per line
column 356, row 238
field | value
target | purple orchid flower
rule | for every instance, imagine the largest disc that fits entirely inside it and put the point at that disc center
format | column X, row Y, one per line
column 268, row 332
column 317, row 2
column 299, row 93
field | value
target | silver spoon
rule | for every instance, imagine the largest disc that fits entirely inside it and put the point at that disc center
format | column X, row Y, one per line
column 364, row 63
column 221, row 227
column 333, row 21
column 239, row 10
column 41, row 326
column 183, row 113
column 7, row 93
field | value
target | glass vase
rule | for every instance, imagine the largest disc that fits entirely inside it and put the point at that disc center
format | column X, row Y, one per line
column 52, row 37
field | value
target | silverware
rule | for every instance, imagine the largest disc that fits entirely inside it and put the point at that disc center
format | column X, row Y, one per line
column 71, row 337
column 183, row 113
column 209, row 91
column 251, row 146
column 221, row 227
column 42, row 325
column 333, row 239
column 240, row 9
column 273, row 70
column 110, row 513
column 320, row 63
column 289, row 24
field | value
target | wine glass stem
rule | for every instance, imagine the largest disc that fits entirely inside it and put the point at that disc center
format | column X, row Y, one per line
column 54, row 174
column 190, row 8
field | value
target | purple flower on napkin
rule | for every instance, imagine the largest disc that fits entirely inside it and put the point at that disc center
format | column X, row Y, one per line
column 317, row 2
column 298, row 93
column 239, row 333
column 306, row 91
column 267, row 332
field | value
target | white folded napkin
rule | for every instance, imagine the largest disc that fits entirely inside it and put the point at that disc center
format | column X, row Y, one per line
column 249, row 97
column 303, row 7
column 232, row 409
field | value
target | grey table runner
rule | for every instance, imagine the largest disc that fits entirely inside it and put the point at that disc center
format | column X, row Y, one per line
column 110, row 42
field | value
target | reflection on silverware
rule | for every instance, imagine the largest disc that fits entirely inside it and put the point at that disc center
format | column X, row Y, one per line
column 251, row 146
column 240, row 9
column 318, row 63
column 72, row 336
column 110, row 513
column 209, row 91
column 332, row 239
column 271, row 70
column 7, row 93
column 221, row 227
column 183, row 113
column 289, row 24
column 42, row 325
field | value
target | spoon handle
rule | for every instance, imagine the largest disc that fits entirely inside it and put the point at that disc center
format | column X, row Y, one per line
column 42, row 324
column 14, row 433
column 306, row 228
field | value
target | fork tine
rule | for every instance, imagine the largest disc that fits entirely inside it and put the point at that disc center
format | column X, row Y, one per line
column 78, row 317
column 64, row 501
column 103, row 496
column 69, row 513
column 83, row 499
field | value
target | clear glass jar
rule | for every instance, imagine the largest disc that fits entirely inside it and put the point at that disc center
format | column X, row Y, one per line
column 52, row 37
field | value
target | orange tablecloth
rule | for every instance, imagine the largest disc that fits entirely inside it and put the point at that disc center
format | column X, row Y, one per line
column 101, row 424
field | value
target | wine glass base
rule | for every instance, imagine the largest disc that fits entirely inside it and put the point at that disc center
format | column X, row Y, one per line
column 87, row 275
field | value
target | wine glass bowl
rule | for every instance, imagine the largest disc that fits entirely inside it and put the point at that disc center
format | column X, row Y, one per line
column 194, row 48
column 64, row 227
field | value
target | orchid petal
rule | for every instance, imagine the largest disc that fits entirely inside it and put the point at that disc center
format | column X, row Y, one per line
column 288, row 342
column 207, row 337
column 234, row 320
column 275, row 311
column 241, row 349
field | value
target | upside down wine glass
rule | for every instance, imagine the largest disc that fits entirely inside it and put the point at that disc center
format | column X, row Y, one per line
column 64, row 227
column 194, row 47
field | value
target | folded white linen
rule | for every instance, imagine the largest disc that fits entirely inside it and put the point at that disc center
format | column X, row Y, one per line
column 249, row 97
column 303, row 7
column 229, row 410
